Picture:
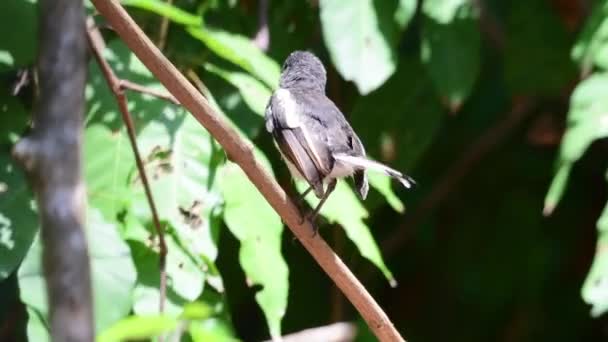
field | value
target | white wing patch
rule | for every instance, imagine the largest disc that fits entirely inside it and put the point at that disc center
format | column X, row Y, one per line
column 290, row 108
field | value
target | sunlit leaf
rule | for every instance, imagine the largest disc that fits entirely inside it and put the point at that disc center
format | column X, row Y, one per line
column 254, row 93
column 587, row 122
column 138, row 327
column 591, row 48
column 18, row 220
column 595, row 289
column 382, row 184
column 258, row 228
column 165, row 9
column 240, row 51
column 112, row 271
column 405, row 12
column 180, row 160
column 365, row 54
column 211, row 330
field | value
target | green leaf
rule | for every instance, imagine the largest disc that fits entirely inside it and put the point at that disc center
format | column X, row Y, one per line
column 241, row 51
column 591, row 47
column 107, row 169
column 443, row 11
column 405, row 12
column 184, row 279
column 359, row 41
column 17, row 47
column 587, row 122
column 138, row 327
column 254, row 93
column 557, row 188
column 258, row 228
column 36, row 326
column 595, row 288
column 211, row 330
column 181, row 161
column 175, row 14
column 197, row 310
column 344, row 207
column 18, row 219
column 112, row 271
column 450, row 37
column 382, row 184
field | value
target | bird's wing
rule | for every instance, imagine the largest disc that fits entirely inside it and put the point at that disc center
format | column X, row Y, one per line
column 342, row 138
column 289, row 115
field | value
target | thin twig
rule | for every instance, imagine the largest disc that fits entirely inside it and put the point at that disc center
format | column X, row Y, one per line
column 164, row 28
column 478, row 149
column 262, row 37
column 52, row 157
column 126, row 84
column 98, row 45
column 241, row 152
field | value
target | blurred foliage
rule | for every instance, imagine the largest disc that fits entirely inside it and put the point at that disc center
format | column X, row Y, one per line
column 490, row 105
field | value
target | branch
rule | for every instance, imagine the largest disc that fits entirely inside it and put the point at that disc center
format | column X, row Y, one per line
column 51, row 157
column 241, row 152
column 116, row 86
column 336, row 332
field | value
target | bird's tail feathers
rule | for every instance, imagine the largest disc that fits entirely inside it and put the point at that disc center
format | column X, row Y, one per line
column 368, row 164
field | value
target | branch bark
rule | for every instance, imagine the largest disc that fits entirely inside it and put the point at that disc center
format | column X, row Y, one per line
column 51, row 157
column 241, row 152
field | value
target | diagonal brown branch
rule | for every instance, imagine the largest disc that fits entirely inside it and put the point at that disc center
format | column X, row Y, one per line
column 51, row 156
column 242, row 153
column 116, row 86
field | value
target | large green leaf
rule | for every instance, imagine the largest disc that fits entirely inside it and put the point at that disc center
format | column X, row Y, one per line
column 587, row 119
column 258, row 228
column 112, row 271
column 17, row 46
column 18, row 220
column 254, row 93
column 451, row 47
column 591, row 48
column 180, row 159
column 359, row 36
column 345, row 208
column 241, row 51
column 107, row 169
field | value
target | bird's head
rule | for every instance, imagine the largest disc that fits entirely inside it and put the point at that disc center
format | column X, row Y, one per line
column 302, row 69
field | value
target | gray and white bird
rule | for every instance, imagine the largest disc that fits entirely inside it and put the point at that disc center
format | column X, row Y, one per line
column 314, row 138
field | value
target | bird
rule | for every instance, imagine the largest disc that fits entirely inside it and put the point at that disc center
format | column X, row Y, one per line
column 313, row 136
